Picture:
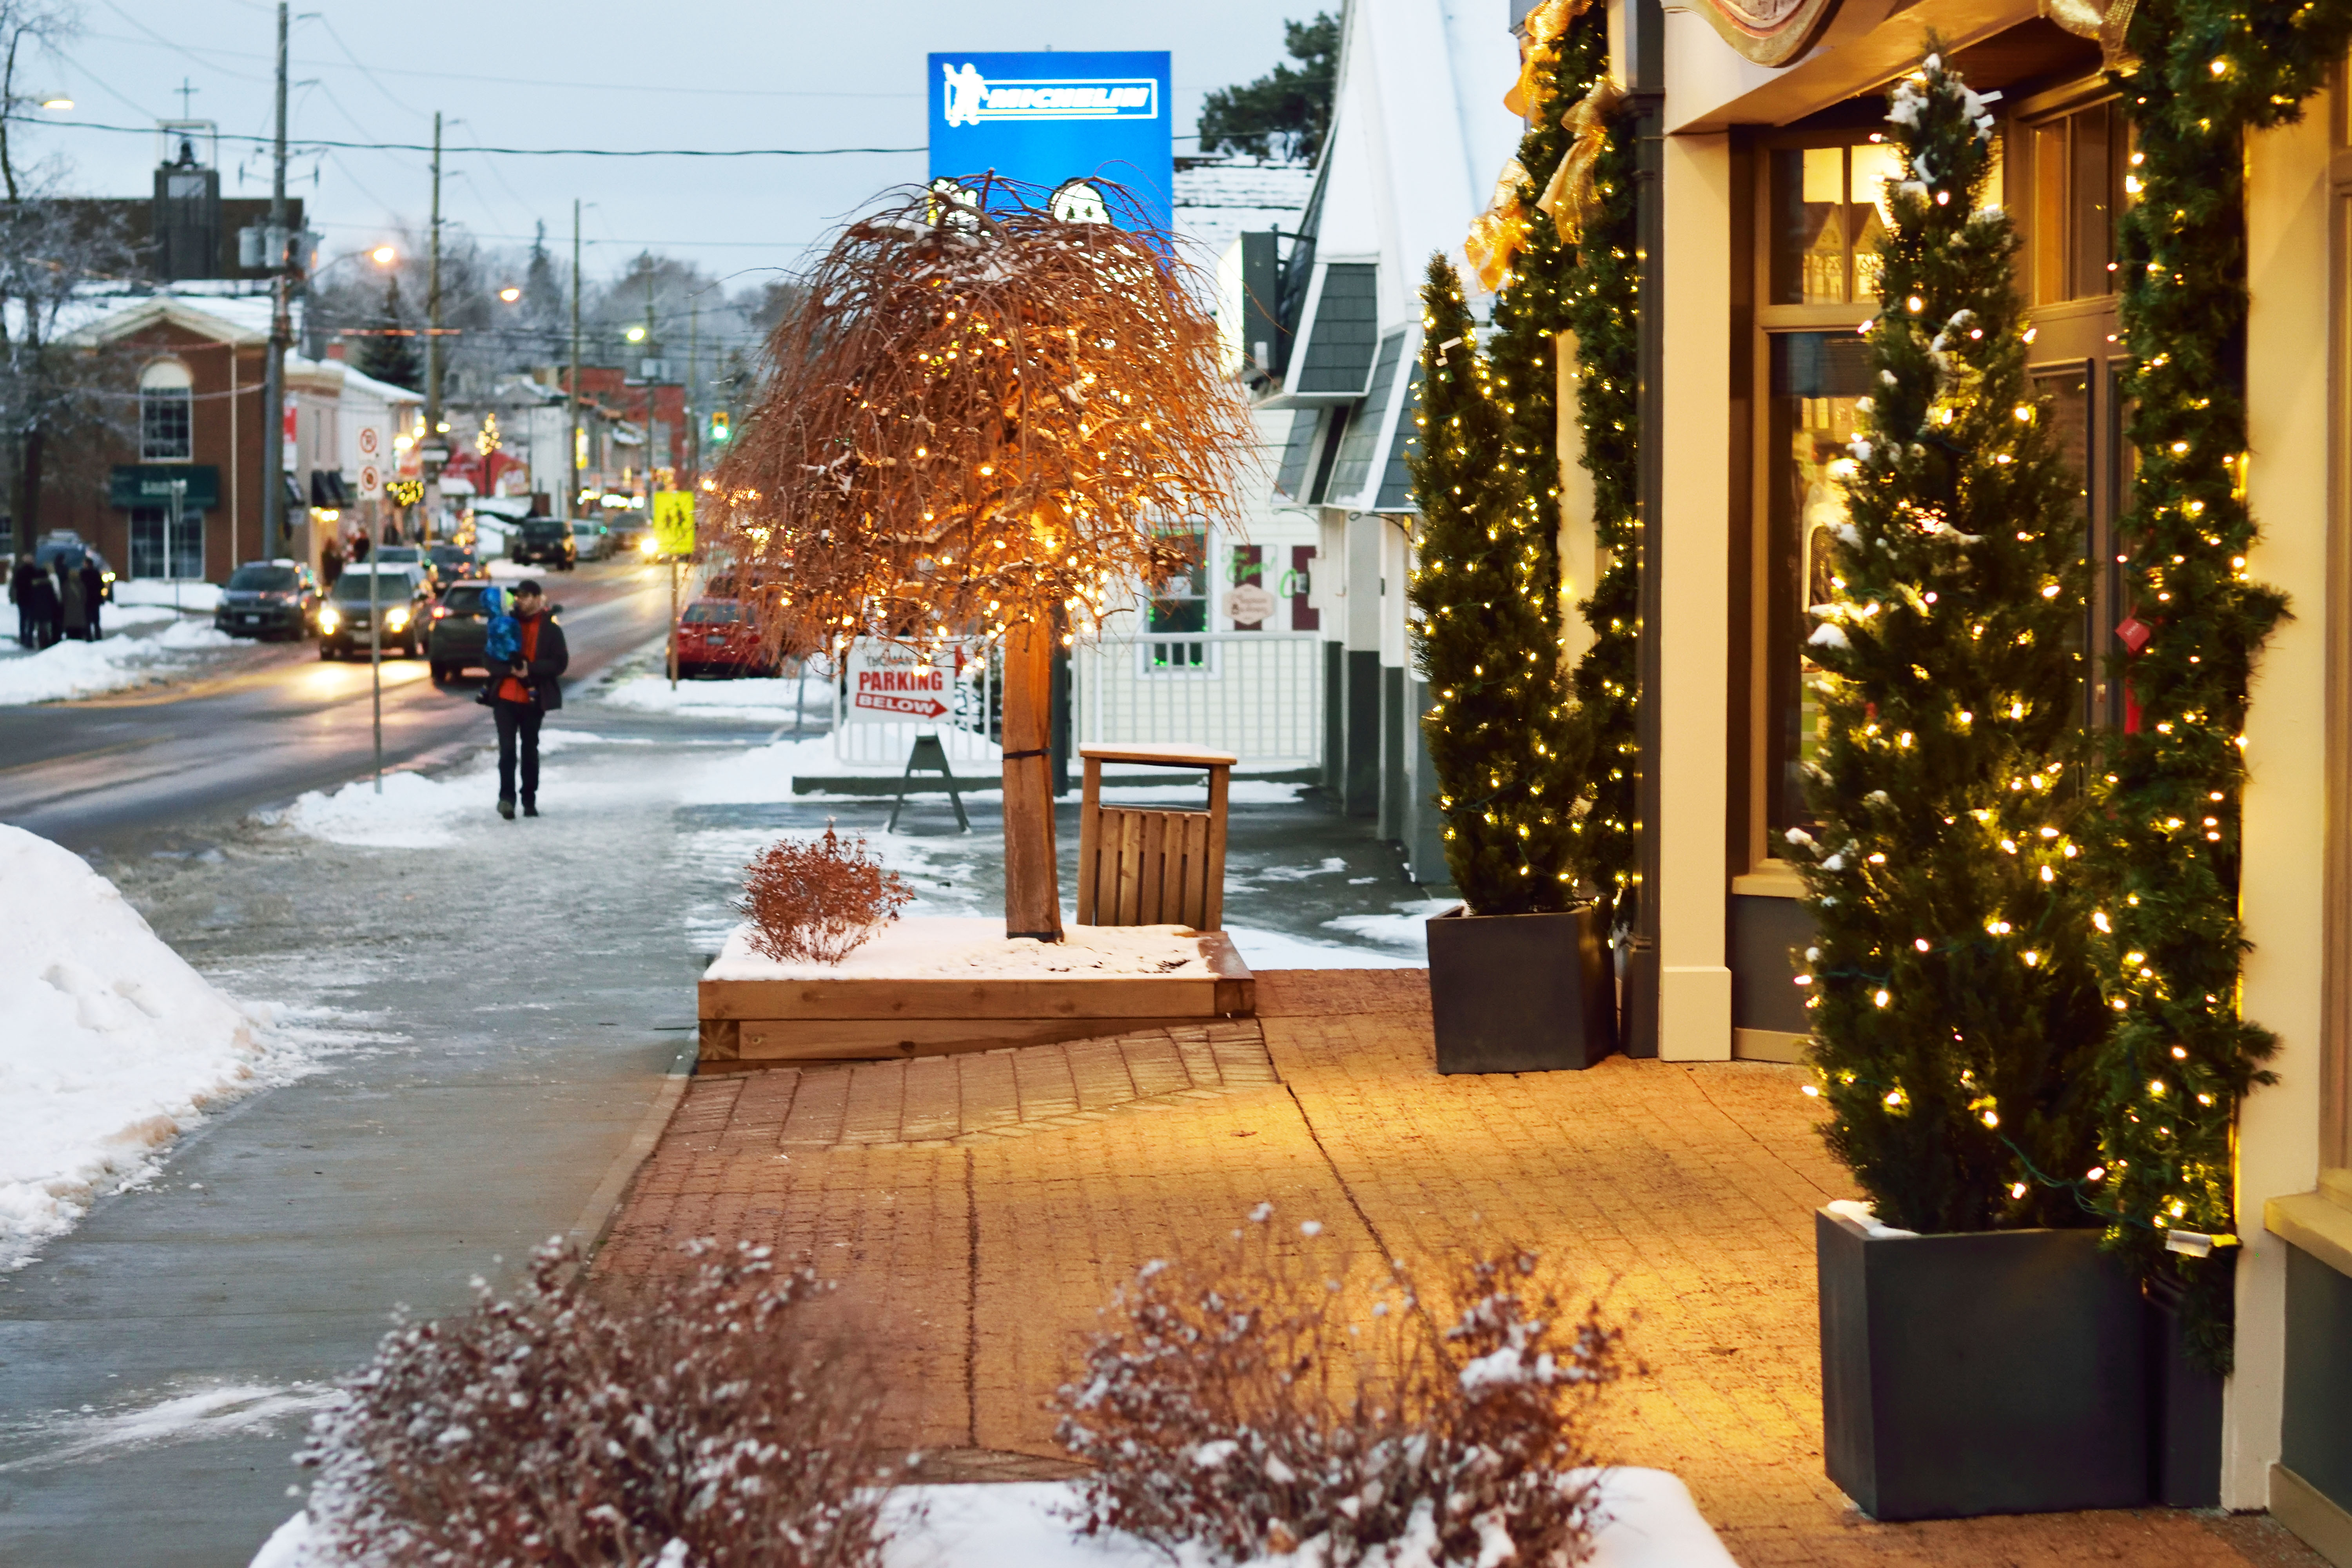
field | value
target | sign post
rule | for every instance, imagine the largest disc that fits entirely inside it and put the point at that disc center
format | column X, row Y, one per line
column 673, row 537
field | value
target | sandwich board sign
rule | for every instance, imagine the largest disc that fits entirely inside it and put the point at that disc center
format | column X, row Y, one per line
column 899, row 683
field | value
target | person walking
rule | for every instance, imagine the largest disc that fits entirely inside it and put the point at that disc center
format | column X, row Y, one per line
column 32, row 614
column 93, row 596
column 330, row 563
column 525, row 693
column 75, row 611
column 46, row 612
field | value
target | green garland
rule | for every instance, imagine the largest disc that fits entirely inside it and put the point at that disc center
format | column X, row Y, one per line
column 1954, row 1010
column 1485, row 634
column 1589, row 288
column 2180, row 1057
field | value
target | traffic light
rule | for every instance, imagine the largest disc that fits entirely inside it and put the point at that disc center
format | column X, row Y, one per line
column 719, row 423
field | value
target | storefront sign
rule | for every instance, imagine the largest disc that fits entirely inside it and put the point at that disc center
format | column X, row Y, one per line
column 1770, row 32
column 895, row 682
column 1047, row 119
column 149, row 484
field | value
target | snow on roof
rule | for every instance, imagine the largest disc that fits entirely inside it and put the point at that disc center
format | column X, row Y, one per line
column 1215, row 202
column 359, row 381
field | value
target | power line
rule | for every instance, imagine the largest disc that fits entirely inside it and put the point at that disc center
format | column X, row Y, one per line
column 308, row 141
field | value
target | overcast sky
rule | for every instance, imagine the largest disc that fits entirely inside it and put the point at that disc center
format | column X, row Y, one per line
column 586, row 73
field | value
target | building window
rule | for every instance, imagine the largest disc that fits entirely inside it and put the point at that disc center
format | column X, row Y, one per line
column 161, row 548
column 1180, row 603
column 166, row 414
column 2081, row 175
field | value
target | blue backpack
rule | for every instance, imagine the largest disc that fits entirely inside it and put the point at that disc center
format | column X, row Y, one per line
column 503, row 644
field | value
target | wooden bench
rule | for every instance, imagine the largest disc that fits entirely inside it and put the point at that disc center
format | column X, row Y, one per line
column 1140, row 867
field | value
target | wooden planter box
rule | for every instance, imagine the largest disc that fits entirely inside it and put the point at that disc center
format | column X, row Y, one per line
column 1521, row 993
column 887, row 1000
column 1996, row 1372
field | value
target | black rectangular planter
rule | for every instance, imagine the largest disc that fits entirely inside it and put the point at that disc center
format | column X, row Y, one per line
column 2184, row 1406
column 1996, row 1372
column 1521, row 993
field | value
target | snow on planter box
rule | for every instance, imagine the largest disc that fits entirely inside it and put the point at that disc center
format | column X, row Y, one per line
column 1994, row 1372
column 928, row 985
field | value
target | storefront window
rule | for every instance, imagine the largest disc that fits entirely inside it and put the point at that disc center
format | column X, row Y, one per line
column 2082, row 180
column 1816, row 379
column 1829, row 216
column 1180, row 602
column 160, row 549
column 166, row 414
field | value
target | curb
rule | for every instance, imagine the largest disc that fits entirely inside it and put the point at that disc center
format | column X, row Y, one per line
column 604, row 1205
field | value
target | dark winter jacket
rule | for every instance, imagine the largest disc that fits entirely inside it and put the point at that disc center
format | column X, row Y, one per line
column 21, row 581
column 544, row 674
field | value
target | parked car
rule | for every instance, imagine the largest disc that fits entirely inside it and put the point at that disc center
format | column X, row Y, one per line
column 458, row 628
column 66, row 541
column 401, row 594
column 543, row 541
column 592, row 540
column 716, row 638
column 269, row 599
column 452, row 562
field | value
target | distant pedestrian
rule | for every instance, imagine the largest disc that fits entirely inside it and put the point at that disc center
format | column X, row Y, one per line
column 331, row 563
column 359, row 548
column 42, row 592
column 75, row 616
column 32, row 605
column 525, row 692
column 93, row 596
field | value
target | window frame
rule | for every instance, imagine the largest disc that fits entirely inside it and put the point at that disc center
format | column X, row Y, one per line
column 167, row 384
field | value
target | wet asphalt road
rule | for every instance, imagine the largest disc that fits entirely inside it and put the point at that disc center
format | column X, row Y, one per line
column 269, row 723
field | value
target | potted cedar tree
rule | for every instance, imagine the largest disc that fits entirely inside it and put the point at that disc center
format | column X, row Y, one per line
column 1519, row 978
column 1980, row 1353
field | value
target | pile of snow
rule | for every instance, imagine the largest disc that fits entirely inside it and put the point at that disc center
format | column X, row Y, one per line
column 1648, row 1521
column 69, row 669
column 110, row 1044
column 412, row 811
column 191, row 594
column 969, row 947
column 748, row 698
column 1407, row 928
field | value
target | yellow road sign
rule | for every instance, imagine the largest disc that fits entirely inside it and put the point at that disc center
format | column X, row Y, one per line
column 674, row 522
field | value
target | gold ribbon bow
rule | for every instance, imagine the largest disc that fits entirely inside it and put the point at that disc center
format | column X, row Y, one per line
column 1498, row 235
column 1568, row 198
column 2104, row 24
column 1540, row 35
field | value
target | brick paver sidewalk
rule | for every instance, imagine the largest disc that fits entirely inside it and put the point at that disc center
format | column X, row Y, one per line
column 978, row 1209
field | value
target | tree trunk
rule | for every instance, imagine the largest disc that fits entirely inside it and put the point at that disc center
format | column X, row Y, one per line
column 1033, row 891
column 29, row 525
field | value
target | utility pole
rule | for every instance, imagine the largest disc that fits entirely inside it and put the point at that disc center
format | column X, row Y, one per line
column 282, row 332
column 693, row 375
column 572, row 505
column 645, row 373
column 437, row 450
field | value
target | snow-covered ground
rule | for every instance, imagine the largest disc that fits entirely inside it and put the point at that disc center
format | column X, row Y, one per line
column 110, row 1044
column 69, row 669
column 974, row 947
column 1648, row 1522
column 750, row 696
column 196, row 597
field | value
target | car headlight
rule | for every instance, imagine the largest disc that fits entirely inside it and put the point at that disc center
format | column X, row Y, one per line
column 397, row 618
column 646, row 545
column 329, row 620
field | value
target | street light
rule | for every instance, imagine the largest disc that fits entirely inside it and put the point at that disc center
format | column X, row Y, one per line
column 636, row 334
column 509, row 294
column 383, row 255
column 57, row 103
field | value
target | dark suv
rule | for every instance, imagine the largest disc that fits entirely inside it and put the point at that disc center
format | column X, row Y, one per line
column 543, row 541
column 459, row 626
column 402, row 596
column 267, row 599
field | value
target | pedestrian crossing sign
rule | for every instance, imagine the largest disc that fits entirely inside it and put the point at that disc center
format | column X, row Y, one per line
column 674, row 522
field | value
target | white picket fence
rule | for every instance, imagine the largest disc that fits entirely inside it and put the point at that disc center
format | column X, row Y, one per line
column 1256, row 694
column 871, row 744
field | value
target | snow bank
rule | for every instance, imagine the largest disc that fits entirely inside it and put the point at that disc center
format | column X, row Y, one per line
column 750, row 696
column 950, row 946
column 412, row 813
column 109, row 1042
column 1406, row 928
column 1276, row 950
column 68, row 669
column 1650, row 1523
column 191, row 596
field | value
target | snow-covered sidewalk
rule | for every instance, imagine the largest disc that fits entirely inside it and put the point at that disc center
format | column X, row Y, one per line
column 110, row 1044
column 122, row 658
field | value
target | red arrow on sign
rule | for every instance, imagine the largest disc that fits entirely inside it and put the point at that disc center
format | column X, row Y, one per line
column 917, row 707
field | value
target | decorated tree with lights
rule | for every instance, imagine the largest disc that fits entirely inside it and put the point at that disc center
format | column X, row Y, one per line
column 1488, row 634
column 1954, row 1012
column 1558, row 245
column 2165, row 845
column 981, row 418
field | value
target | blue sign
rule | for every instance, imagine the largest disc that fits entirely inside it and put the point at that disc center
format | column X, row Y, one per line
column 1047, row 119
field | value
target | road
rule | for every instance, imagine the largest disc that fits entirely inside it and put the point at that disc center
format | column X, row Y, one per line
column 279, row 721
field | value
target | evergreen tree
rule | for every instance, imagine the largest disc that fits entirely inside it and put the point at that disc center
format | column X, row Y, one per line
column 386, row 353
column 1285, row 113
column 1488, row 634
column 1956, row 1013
column 545, row 311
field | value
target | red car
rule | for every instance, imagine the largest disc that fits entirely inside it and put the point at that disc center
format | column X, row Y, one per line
column 716, row 638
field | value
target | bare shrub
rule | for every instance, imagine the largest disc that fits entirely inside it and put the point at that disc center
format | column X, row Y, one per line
column 816, row 900
column 1243, row 1407
column 697, row 1420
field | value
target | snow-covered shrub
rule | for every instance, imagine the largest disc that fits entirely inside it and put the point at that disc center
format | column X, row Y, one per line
column 1259, row 1407
column 695, row 1420
column 818, row 899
